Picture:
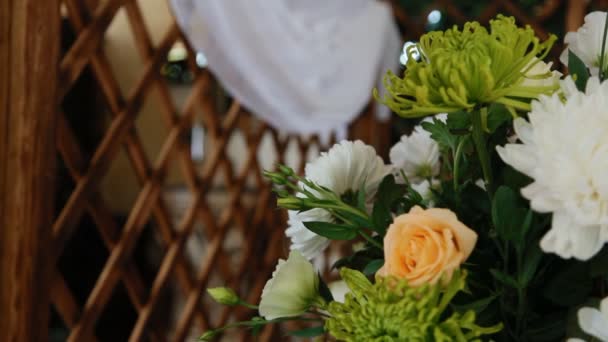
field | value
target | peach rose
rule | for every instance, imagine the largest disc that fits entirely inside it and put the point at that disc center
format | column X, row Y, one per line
column 423, row 245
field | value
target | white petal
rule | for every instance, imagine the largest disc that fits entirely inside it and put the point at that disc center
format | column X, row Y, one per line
column 520, row 157
column 593, row 323
column 291, row 290
column 568, row 240
column 604, row 308
column 541, row 200
column 338, row 289
column 524, row 130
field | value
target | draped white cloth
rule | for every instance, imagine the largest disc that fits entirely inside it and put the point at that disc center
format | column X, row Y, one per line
column 303, row 66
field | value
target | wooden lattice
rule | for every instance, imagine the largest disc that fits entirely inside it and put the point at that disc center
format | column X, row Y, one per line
column 252, row 219
column 245, row 212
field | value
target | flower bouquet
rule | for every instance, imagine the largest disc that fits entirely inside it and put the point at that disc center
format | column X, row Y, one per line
column 490, row 221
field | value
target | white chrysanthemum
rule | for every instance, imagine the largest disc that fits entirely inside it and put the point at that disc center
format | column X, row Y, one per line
column 565, row 150
column 293, row 288
column 594, row 322
column 344, row 168
column 586, row 43
column 538, row 75
column 417, row 155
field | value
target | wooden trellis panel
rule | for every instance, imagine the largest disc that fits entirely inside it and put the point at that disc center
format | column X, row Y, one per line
column 245, row 213
column 254, row 220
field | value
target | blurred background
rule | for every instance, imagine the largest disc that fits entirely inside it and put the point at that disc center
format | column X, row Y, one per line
column 159, row 189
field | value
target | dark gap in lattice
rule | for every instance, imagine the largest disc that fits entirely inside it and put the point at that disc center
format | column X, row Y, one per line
column 64, row 185
column 149, row 252
column 82, row 259
column 58, row 331
column 148, row 256
column 118, row 317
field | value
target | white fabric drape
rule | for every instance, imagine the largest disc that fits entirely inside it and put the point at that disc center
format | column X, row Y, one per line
column 305, row 66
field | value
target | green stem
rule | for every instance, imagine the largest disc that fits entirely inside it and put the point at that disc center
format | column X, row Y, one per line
column 482, row 148
column 520, row 321
column 344, row 207
column 603, row 51
column 247, row 305
column 264, row 322
column 370, row 239
column 457, row 157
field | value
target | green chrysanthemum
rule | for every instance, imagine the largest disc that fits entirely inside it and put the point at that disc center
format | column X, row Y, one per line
column 460, row 70
column 391, row 311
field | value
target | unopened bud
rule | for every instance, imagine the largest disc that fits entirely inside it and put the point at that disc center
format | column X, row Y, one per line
column 291, row 203
column 286, row 170
column 281, row 192
column 224, row 295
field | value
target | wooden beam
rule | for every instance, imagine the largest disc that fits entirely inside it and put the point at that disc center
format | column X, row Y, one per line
column 29, row 60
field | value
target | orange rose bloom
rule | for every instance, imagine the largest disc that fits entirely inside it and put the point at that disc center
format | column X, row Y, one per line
column 424, row 245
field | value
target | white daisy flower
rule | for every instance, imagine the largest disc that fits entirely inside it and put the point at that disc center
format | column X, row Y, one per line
column 586, row 43
column 565, row 150
column 594, row 322
column 417, row 154
column 343, row 169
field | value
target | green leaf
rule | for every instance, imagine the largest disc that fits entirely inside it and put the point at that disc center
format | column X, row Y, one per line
column 459, row 121
column 441, row 134
column 578, row 70
column 389, row 192
column 359, row 222
column 505, row 213
column 381, row 217
column 324, row 290
column 522, row 232
column 504, row 278
column 511, row 221
column 513, row 178
column 331, row 231
column 373, row 266
column 359, row 259
column 478, row 306
column 531, row 261
column 361, row 199
column 308, row 332
column 550, row 327
column 498, row 114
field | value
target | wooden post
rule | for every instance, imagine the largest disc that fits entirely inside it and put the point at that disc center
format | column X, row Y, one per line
column 29, row 60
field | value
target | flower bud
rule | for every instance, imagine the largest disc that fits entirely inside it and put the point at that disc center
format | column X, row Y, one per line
column 275, row 177
column 286, row 170
column 291, row 203
column 224, row 295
